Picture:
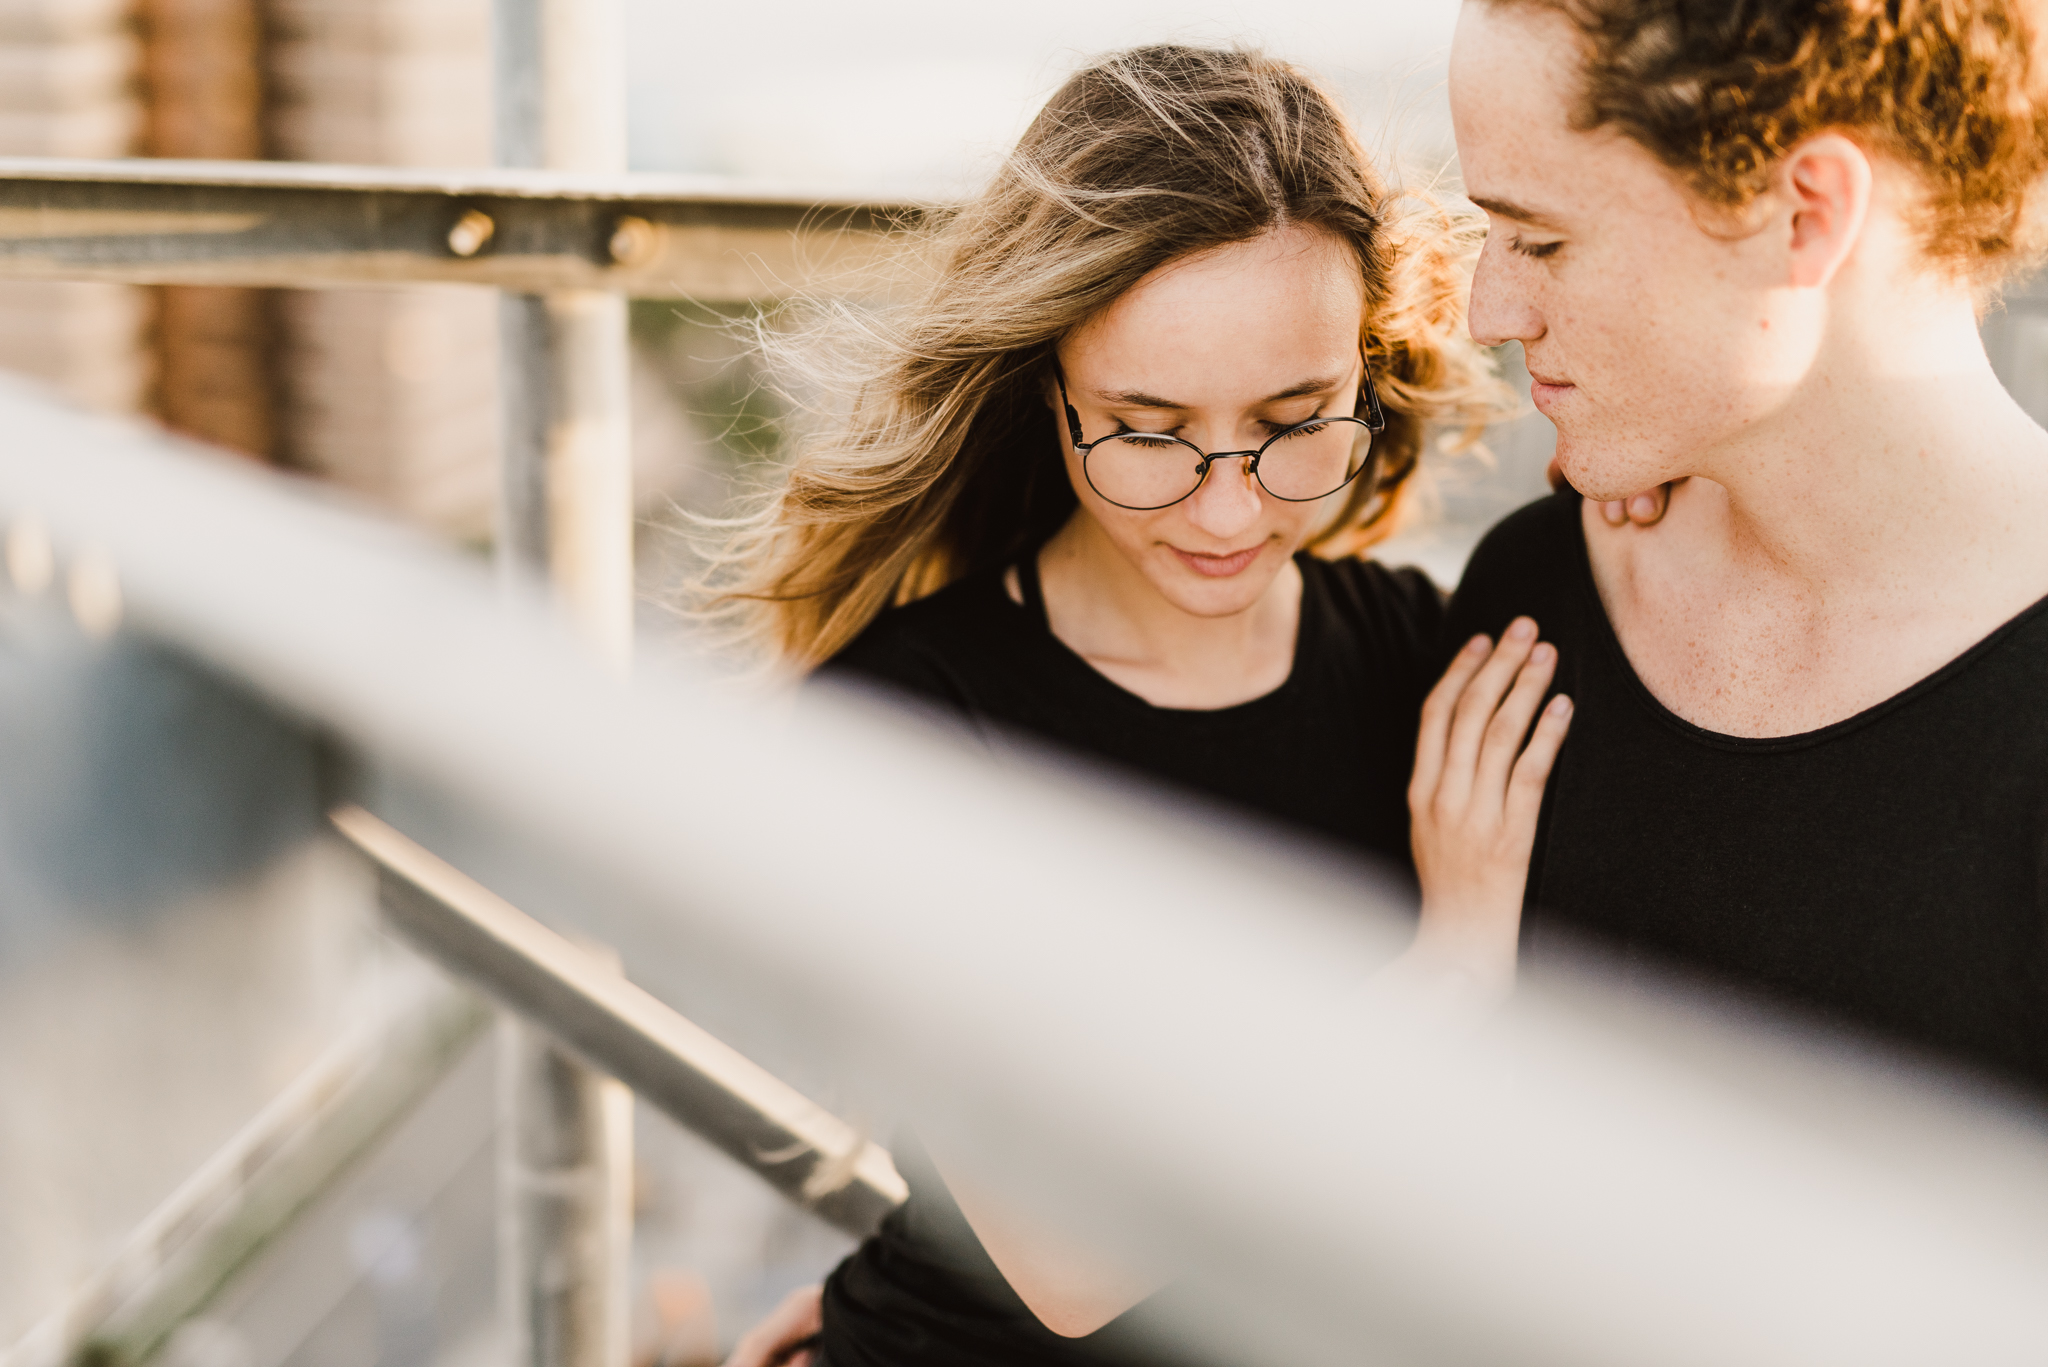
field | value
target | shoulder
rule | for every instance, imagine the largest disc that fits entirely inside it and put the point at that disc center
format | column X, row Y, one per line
column 1535, row 534
column 925, row 646
column 1533, row 562
column 1403, row 599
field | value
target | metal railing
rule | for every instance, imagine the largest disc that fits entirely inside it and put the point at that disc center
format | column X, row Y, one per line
column 1135, row 1021
column 811, row 1156
column 306, row 226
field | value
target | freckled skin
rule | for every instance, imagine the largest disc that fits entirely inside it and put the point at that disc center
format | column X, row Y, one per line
column 1861, row 498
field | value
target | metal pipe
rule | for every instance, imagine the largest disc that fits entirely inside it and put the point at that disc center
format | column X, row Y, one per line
column 565, row 1214
column 566, row 480
column 812, row 1156
column 243, row 1198
column 295, row 225
column 560, row 68
column 1117, row 1008
column 566, row 475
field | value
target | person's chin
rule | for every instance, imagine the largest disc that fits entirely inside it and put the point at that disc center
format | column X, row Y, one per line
column 1602, row 476
column 1212, row 595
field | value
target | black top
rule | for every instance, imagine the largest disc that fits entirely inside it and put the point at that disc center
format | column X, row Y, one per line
column 1887, row 872
column 1329, row 750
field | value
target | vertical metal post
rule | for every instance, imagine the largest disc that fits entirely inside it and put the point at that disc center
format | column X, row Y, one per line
column 566, row 517
column 567, row 476
column 565, row 1185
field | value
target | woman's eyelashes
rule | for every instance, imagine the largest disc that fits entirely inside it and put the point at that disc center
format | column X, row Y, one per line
column 1538, row 250
column 1271, row 425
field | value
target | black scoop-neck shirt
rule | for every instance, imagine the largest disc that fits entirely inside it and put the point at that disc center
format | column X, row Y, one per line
column 1887, row 873
column 1327, row 752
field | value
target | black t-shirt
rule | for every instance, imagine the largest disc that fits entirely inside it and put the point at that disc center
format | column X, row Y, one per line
column 1886, row 872
column 1329, row 752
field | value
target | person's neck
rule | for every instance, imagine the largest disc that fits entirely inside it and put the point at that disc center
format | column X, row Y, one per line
column 1881, row 523
column 1105, row 610
column 1899, row 450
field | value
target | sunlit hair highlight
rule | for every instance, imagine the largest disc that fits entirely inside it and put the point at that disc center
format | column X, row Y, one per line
column 942, row 458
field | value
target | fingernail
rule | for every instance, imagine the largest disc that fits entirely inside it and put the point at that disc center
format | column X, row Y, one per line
column 1522, row 630
column 1614, row 513
column 1643, row 506
column 1476, row 644
column 1560, row 707
column 1543, row 654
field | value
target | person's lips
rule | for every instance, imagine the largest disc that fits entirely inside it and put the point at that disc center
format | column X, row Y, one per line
column 1545, row 391
column 1219, row 566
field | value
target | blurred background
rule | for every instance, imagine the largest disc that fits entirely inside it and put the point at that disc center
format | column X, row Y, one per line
column 132, row 1047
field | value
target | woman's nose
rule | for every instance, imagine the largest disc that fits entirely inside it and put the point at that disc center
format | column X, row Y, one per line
column 1228, row 501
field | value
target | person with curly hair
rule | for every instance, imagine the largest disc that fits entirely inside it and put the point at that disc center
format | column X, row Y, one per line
column 1745, row 246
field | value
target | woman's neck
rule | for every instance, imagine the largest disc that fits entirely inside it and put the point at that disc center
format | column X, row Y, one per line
column 1105, row 610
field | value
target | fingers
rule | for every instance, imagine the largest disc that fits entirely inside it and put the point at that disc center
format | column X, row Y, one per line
column 783, row 1339
column 1476, row 706
column 1646, row 509
column 1510, row 724
column 1437, row 710
column 1524, row 802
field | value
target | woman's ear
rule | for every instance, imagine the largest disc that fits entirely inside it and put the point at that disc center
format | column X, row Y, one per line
column 1827, row 182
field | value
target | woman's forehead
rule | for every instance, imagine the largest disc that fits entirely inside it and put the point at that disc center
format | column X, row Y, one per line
column 1307, row 274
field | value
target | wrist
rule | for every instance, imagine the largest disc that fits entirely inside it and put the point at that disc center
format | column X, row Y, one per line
column 1481, row 946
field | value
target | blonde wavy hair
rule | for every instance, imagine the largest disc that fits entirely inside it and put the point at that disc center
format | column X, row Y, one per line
column 944, row 459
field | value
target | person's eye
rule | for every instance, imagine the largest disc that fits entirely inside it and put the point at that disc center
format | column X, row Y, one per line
column 1538, row 250
column 1144, row 438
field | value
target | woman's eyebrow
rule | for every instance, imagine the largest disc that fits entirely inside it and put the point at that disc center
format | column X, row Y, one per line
column 1138, row 398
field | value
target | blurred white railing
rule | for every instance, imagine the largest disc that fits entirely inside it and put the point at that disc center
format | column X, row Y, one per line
column 1144, row 1024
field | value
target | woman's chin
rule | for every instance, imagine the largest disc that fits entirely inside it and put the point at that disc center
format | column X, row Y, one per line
column 1209, row 595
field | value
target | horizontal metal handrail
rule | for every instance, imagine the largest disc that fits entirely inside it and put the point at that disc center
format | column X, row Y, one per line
column 238, row 1202
column 1126, row 1019
column 810, row 1155
column 305, row 226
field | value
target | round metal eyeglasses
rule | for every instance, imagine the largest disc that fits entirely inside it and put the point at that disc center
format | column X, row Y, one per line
column 1302, row 462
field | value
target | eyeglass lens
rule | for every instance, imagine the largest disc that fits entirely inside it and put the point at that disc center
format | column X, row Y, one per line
column 1146, row 470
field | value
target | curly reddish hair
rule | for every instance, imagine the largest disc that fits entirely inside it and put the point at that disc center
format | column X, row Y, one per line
column 1721, row 90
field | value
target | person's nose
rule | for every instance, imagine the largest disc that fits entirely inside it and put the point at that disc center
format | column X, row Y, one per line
column 1502, row 308
column 1227, row 504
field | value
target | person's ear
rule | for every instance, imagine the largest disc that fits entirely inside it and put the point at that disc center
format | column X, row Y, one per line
column 1827, row 182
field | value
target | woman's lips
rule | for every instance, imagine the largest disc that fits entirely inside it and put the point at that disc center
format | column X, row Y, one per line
column 1219, row 566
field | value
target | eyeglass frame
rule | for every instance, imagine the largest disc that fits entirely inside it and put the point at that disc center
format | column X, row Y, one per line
column 1374, row 422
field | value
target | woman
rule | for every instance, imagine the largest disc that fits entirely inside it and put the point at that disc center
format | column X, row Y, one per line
column 1749, row 243
column 1171, row 374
